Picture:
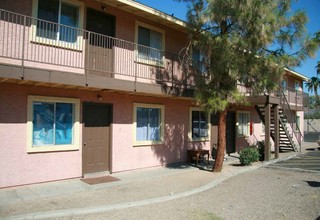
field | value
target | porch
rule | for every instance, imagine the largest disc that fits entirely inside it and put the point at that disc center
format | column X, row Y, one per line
column 38, row 52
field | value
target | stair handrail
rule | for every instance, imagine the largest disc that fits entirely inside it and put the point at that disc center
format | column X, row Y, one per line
column 294, row 126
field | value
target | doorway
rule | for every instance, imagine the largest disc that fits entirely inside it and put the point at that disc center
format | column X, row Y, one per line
column 97, row 119
column 231, row 132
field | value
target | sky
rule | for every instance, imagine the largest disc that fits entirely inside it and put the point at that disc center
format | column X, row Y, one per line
column 311, row 8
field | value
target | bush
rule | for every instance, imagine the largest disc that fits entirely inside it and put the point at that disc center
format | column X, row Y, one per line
column 260, row 146
column 249, row 155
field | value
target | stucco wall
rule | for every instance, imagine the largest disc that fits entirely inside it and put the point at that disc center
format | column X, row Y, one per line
column 17, row 167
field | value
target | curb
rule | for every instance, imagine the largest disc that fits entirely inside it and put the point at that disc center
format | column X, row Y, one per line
column 104, row 208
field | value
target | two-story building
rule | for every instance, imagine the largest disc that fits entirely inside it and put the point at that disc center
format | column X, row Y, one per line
column 97, row 86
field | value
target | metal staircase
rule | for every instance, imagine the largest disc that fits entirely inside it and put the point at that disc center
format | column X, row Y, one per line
column 290, row 136
column 285, row 138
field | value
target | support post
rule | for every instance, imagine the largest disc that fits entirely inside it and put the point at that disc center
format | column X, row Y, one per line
column 267, row 131
column 276, row 131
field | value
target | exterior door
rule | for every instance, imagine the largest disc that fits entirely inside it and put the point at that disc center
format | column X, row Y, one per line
column 231, row 133
column 101, row 27
column 96, row 137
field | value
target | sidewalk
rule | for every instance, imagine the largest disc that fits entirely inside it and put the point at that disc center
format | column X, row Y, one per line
column 136, row 188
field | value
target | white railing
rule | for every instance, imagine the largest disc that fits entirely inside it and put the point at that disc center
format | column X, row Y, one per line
column 34, row 43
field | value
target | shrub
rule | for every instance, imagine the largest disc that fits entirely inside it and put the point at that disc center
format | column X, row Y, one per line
column 249, row 155
column 260, row 146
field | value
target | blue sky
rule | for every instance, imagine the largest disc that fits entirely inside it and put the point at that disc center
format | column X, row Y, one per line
column 311, row 7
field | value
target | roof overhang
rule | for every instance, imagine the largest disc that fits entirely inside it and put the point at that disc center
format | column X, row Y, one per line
column 296, row 74
column 148, row 13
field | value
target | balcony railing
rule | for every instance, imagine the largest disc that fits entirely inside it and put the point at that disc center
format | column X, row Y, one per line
column 293, row 97
column 34, row 43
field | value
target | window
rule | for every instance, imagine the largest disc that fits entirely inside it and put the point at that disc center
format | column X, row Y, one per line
column 297, row 86
column 53, row 124
column 150, row 44
column 58, row 21
column 199, row 125
column 148, row 123
column 284, row 85
column 198, row 63
column 243, row 123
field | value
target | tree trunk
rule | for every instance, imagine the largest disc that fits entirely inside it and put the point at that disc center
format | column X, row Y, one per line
column 221, row 141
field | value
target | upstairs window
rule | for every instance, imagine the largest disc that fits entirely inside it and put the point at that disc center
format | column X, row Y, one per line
column 150, row 44
column 58, row 20
column 284, row 85
column 198, row 64
column 297, row 86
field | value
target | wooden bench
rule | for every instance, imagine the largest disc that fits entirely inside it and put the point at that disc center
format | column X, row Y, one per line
column 197, row 153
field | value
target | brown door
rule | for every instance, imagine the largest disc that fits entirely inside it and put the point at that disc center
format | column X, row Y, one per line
column 96, row 137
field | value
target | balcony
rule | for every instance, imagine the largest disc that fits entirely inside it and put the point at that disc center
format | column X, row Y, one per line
column 47, row 52
column 296, row 99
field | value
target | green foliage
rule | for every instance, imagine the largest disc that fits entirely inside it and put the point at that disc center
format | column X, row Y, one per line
column 315, row 115
column 235, row 39
column 260, row 146
column 249, row 155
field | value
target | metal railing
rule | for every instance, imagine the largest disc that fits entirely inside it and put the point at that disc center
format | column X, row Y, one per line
column 294, row 129
column 294, row 97
column 30, row 42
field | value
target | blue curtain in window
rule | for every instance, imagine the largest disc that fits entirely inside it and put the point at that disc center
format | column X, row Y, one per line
column 63, row 119
column 52, row 123
column 154, row 119
column 43, row 124
column 69, row 17
column 148, row 123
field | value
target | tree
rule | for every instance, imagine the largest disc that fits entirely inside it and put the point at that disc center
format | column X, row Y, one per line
column 242, row 41
column 312, row 85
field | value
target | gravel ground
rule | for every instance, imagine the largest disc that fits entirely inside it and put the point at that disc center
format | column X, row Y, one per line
column 260, row 194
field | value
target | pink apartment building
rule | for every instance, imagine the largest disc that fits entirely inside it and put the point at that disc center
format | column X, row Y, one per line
column 97, row 86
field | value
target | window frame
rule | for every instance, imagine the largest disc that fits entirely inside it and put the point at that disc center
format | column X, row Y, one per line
column 77, row 45
column 161, row 126
column 198, row 64
column 247, row 134
column 190, row 125
column 76, row 125
column 152, row 28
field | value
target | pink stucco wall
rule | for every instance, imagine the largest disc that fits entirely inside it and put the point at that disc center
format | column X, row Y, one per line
column 17, row 167
column 257, row 134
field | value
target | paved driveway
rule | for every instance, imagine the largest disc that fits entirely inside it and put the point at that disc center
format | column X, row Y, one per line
column 309, row 161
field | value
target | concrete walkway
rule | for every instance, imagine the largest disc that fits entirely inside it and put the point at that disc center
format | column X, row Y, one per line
column 137, row 188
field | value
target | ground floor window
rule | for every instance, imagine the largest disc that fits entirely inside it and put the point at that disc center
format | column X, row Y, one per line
column 148, row 124
column 53, row 124
column 199, row 124
column 243, row 123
